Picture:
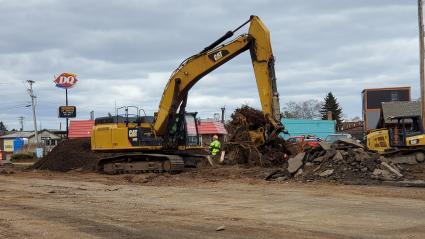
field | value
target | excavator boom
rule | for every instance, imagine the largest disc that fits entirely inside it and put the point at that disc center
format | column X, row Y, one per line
column 195, row 67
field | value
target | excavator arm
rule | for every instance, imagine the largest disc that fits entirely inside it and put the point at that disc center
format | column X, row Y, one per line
column 195, row 67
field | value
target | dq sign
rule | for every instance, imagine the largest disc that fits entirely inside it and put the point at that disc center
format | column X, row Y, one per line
column 66, row 80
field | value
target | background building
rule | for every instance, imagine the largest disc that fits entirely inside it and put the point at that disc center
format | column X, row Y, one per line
column 24, row 141
column 398, row 109
column 208, row 128
column 319, row 128
column 80, row 128
column 373, row 98
column 355, row 128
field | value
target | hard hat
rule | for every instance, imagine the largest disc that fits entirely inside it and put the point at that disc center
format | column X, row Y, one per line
column 215, row 136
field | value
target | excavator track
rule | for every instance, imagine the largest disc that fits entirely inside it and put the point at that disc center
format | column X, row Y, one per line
column 141, row 163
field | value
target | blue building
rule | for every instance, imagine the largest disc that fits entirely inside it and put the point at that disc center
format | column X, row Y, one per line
column 319, row 128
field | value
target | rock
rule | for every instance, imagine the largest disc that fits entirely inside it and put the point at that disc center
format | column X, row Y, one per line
column 326, row 173
column 364, row 169
column 308, row 164
column 299, row 172
column 295, row 163
column 316, row 169
column 281, row 179
column 220, row 228
column 420, row 157
column 318, row 159
column 338, row 156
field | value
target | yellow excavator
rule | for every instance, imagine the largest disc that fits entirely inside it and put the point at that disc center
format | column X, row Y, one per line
column 168, row 141
column 406, row 137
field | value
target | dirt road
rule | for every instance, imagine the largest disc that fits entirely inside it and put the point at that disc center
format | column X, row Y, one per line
column 72, row 205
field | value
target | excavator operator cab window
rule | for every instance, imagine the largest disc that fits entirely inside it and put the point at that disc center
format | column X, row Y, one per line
column 192, row 138
column 415, row 127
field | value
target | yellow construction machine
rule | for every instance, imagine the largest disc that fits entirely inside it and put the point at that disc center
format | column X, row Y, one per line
column 406, row 137
column 169, row 140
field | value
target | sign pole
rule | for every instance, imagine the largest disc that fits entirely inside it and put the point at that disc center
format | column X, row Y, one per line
column 66, row 103
column 65, row 81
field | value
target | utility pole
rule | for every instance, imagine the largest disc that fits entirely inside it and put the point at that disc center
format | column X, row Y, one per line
column 31, row 94
column 421, row 60
column 222, row 113
column 21, row 122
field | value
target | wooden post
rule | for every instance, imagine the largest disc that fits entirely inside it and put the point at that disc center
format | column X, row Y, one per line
column 421, row 61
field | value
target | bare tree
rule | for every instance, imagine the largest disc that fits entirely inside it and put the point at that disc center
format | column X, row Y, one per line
column 309, row 109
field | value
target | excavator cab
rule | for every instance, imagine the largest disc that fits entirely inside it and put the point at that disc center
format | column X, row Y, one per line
column 184, row 131
column 407, row 127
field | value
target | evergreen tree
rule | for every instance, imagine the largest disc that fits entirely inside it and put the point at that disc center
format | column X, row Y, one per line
column 331, row 104
column 3, row 128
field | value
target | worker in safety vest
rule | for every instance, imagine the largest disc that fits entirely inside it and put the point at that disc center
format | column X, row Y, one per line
column 215, row 146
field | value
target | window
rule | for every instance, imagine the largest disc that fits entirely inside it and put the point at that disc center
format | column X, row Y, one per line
column 394, row 96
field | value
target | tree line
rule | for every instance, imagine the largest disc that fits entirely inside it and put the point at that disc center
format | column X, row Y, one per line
column 314, row 109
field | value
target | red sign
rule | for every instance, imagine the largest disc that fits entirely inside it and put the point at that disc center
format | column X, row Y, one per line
column 66, row 80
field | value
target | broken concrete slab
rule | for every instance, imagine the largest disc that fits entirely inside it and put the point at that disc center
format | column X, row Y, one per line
column 382, row 174
column 350, row 142
column 295, row 163
column 326, row 173
column 325, row 145
column 392, row 169
column 338, row 156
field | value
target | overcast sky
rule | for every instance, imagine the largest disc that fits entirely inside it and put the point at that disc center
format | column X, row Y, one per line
column 125, row 51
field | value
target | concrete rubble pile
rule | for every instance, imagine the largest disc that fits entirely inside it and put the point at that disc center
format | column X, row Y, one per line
column 344, row 161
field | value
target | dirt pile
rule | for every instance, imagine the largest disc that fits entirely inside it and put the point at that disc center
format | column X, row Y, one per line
column 69, row 155
column 343, row 161
column 239, row 149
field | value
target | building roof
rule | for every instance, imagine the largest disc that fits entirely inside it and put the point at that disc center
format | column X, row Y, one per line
column 400, row 109
column 387, row 88
column 23, row 134
column 18, row 134
column 211, row 127
column 80, row 128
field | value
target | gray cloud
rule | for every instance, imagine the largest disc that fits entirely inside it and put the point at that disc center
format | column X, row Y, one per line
column 124, row 52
